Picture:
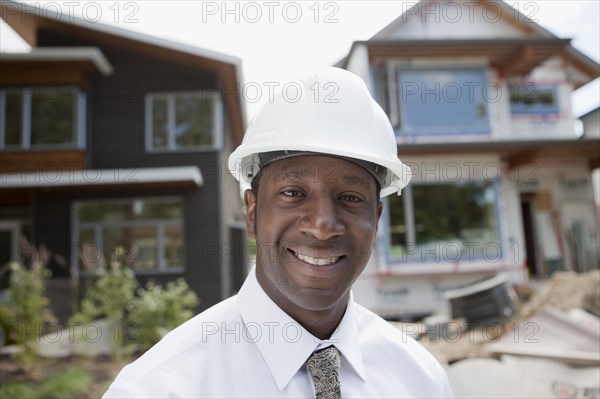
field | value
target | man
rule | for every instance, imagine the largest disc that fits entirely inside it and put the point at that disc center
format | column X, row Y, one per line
column 312, row 168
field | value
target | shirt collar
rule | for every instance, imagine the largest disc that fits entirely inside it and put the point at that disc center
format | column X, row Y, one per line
column 284, row 343
column 345, row 338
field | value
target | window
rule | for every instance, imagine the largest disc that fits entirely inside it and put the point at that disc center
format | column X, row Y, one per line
column 446, row 222
column 42, row 117
column 436, row 101
column 144, row 234
column 183, row 121
column 533, row 99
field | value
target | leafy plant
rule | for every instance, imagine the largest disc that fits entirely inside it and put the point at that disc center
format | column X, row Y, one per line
column 157, row 310
column 144, row 318
column 108, row 296
column 17, row 390
column 71, row 382
column 25, row 311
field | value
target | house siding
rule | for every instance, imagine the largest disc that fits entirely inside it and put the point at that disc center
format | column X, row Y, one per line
column 202, row 259
column 115, row 139
column 542, row 198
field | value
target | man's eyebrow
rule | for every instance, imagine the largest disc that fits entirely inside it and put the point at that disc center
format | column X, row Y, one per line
column 296, row 174
column 309, row 174
column 291, row 174
column 356, row 180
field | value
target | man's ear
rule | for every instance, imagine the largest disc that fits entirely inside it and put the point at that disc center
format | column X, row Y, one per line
column 250, row 202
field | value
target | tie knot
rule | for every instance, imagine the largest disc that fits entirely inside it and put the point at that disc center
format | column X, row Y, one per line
column 324, row 366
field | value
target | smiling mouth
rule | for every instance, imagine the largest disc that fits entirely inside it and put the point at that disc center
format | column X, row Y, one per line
column 330, row 260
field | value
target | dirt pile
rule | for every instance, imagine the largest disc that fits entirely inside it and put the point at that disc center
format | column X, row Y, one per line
column 566, row 291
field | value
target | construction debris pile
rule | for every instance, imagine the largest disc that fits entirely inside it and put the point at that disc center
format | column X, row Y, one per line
column 549, row 349
column 566, row 291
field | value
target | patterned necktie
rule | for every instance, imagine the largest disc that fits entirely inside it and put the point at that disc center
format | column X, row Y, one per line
column 324, row 366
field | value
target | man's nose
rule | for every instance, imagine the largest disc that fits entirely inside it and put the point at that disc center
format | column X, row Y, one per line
column 321, row 219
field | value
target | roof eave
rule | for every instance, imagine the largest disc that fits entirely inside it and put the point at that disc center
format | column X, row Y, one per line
column 27, row 19
column 67, row 54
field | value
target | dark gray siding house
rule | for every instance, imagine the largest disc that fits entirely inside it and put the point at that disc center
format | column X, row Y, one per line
column 113, row 146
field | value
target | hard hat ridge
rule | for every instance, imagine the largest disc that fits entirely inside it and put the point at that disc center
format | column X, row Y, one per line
column 333, row 115
column 378, row 172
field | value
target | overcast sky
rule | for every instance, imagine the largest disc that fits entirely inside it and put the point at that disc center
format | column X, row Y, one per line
column 279, row 41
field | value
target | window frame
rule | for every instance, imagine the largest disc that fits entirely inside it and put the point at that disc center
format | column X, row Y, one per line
column 408, row 203
column 79, row 120
column 99, row 227
column 397, row 112
column 520, row 109
column 170, row 96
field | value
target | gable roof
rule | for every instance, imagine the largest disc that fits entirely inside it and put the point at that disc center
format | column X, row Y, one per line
column 518, row 19
column 27, row 20
column 509, row 56
column 515, row 54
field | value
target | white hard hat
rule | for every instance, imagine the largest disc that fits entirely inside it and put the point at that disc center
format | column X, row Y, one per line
column 330, row 113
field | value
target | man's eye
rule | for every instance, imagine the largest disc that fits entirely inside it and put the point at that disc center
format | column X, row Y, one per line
column 350, row 198
column 291, row 193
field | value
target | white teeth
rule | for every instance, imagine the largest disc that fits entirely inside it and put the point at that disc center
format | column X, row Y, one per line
column 317, row 261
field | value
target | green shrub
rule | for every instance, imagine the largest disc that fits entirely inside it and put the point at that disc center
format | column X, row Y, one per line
column 72, row 382
column 156, row 310
column 69, row 383
column 108, row 296
column 142, row 319
column 26, row 308
column 17, row 390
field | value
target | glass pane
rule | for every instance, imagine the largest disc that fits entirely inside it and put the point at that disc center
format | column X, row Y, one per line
column 105, row 212
column 53, row 114
column 194, row 121
column 6, row 247
column 383, row 88
column 174, row 246
column 16, row 212
column 533, row 99
column 160, row 124
column 90, row 254
column 135, row 247
column 444, row 101
column 452, row 222
column 14, row 115
column 455, row 221
column 146, row 210
column 7, row 254
column 397, row 226
column 130, row 234
column 131, row 210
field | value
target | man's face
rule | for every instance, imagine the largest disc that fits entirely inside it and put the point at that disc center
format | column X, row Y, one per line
column 314, row 222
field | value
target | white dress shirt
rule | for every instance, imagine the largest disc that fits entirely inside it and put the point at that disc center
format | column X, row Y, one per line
column 246, row 346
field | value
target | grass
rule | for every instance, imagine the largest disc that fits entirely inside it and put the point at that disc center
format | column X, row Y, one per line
column 71, row 382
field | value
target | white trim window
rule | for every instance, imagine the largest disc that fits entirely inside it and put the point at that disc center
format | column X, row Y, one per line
column 430, row 101
column 39, row 118
column 444, row 223
column 533, row 99
column 183, row 121
column 145, row 234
